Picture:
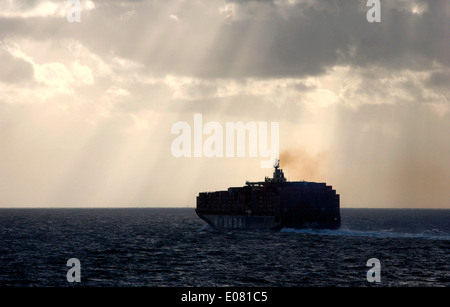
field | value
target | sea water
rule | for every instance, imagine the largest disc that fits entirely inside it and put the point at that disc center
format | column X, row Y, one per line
column 152, row 247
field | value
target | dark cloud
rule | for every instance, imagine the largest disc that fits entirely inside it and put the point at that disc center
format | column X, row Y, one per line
column 304, row 40
column 270, row 41
column 14, row 69
column 302, row 87
column 439, row 79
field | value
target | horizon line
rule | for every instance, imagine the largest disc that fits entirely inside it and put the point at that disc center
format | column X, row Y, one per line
column 188, row 207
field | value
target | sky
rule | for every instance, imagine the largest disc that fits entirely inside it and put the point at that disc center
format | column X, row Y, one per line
column 86, row 108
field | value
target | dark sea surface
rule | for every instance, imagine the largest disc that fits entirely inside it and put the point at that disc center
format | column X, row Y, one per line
column 173, row 247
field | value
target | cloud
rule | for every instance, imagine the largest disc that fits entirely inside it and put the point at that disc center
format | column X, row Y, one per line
column 117, row 91
column 63, row 78
column 127, row 15
column 86, row 108
column 14, row 69
column 40, row 9
column 439, row 79
column 174, row 18
column 259, row 39
column 45, row 79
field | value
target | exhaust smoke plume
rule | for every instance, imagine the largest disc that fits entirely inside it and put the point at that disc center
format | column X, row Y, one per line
column 299, row 164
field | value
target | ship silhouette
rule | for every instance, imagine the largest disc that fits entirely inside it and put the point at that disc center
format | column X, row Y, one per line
column 274, row 203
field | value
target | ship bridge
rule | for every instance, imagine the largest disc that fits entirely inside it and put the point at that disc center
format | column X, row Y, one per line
column 278, row 176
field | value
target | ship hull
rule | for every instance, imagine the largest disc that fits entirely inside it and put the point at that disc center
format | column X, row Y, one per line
column 263, row 222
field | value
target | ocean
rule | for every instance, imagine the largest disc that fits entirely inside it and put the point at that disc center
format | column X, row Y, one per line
column 156, row 247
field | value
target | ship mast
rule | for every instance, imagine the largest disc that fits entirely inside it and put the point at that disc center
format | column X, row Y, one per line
column 276, row 164
column 278, row 175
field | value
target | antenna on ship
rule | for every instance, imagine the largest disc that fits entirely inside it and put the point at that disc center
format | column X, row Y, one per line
column 278, row 175
column 276, row 165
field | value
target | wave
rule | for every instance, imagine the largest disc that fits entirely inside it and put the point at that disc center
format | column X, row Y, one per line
column 434, row 234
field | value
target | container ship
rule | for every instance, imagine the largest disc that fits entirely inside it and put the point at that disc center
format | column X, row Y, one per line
column 272, row 204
